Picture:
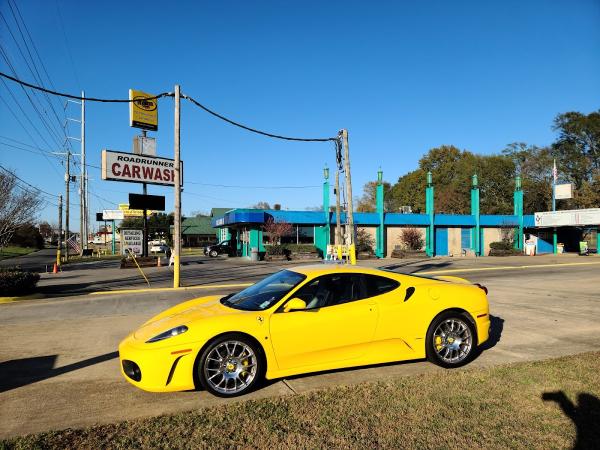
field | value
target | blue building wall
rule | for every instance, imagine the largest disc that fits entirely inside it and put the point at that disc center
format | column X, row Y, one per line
column 255, row 219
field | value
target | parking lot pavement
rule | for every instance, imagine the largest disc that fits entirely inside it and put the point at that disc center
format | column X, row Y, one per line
column 59, row 367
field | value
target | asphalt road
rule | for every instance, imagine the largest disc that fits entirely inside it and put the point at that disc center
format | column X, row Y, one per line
column 36, row 261
column 59, row 366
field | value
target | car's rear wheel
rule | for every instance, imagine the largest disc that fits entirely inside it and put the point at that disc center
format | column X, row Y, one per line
column 451, row 340
column 213, row 253
column 231, row 365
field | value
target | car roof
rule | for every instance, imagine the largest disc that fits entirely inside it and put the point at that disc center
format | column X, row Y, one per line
column 322, row 269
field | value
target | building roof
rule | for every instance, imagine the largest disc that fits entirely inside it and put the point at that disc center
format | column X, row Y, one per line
column 197, row 225
column 259, row 216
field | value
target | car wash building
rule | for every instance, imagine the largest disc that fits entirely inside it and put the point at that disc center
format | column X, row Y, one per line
column 443, row 234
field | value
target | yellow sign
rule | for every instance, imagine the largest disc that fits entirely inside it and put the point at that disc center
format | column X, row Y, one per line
column 133, row 212
column 143, row 110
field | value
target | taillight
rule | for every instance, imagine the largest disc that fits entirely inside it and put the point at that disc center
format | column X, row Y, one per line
column 481, row 286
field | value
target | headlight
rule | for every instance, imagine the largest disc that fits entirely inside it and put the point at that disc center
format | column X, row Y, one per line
column 168, row 334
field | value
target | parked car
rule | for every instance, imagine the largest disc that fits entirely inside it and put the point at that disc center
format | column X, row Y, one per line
column 307, row 319
column 223, row 247
column 159, row 248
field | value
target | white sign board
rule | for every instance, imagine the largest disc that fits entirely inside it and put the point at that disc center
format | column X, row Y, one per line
column 143, row 145
column 563, row 191
column 113, row 214
column 119, row 166
column 571, row 217
column 132, row 240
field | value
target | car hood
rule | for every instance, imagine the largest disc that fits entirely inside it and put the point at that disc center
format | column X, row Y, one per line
column 183, row 314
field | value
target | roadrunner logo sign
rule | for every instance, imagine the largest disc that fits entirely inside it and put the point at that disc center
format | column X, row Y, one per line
column 143, row 110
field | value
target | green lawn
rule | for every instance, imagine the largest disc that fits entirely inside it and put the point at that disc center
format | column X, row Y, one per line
column 524, row 405
column 12, row 251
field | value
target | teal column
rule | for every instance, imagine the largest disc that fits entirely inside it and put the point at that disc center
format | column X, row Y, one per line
column 518, row 205
column 380, row 235
column 429, row 210
column 326, row 207
column 476, row 232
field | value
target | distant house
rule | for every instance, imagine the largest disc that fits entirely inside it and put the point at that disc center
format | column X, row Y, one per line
column 197, row 231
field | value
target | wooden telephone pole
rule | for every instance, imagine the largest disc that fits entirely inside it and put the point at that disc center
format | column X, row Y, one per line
column 349, row 212
column 177, row 219
column 338, row 221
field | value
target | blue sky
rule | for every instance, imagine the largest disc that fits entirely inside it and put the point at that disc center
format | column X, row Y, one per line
column 402, row 77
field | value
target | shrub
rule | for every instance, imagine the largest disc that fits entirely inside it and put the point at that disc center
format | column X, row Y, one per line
column 17, row 282
column 411, row 238
column 364, row 241
column 501, row 245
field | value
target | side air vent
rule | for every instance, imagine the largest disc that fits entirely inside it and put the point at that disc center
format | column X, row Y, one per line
column 409, row 292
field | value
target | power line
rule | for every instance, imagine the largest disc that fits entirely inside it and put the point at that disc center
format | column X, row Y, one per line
column 62, row 26
column 39, row 77
column 255, row 187
column 254, row 130
column 28, row 184
column 77, row 97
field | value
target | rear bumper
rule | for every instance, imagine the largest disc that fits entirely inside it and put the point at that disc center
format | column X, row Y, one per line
column 157, row 369
column 482, row 322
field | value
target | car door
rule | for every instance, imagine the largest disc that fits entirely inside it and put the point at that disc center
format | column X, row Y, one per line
column 337, row 325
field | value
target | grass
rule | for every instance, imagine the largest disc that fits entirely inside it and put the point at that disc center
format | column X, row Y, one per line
column 11, row 251
column 501, row 407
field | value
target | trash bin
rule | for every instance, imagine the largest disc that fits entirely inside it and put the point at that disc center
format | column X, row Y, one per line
column 560, row 248
column 529, row 248
column 254, row 254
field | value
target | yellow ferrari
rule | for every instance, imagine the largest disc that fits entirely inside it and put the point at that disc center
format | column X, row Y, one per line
column 306, row 319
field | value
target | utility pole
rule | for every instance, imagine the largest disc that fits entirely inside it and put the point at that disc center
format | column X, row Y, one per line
column 83, row 183
column 59, row 247
column 338, row 220
column 349, row 213
column 350, row 216
column 177, row 221
column 67, row 181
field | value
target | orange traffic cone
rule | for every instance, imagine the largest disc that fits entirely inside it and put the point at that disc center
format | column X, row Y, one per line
column 159, row 264
column 55, row 269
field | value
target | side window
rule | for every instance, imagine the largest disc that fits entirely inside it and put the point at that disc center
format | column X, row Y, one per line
column 331, row 290
column 377, row 285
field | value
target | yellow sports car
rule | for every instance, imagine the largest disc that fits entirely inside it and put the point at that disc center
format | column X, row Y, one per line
column 306, row 319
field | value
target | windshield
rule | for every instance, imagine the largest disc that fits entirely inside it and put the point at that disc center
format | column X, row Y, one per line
column 265, row 293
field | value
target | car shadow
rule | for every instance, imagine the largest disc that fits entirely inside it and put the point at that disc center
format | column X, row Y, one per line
column 585, row 416
column 496, row 328
column 22, row 372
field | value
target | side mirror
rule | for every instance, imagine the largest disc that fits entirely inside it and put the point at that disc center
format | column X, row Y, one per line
column 294, row 304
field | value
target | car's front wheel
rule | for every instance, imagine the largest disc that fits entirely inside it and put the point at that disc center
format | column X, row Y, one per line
column 213, row 253
column 451, row 340
column 232, row 365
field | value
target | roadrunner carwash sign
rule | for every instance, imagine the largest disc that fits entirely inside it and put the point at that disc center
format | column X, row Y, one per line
column 119, row 166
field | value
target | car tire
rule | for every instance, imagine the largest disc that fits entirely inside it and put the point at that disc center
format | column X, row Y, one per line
column 230, row 365
column 213, row 253
column 451, row 340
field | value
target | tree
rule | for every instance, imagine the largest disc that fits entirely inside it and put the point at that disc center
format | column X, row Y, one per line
column 412, row 239
column 368, row 201
column 16, row 207
column 277, row 229
column 27, row 235
column 159, row 225
column 261, row 205
column 46, row 230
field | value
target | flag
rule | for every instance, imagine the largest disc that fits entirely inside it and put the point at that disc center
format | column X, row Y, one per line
column 554, row 172
column 72, row 242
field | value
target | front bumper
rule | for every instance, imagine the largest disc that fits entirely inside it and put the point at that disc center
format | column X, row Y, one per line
column 157, row 369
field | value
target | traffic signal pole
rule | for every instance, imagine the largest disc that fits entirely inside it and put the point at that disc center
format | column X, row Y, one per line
column 177, row 218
